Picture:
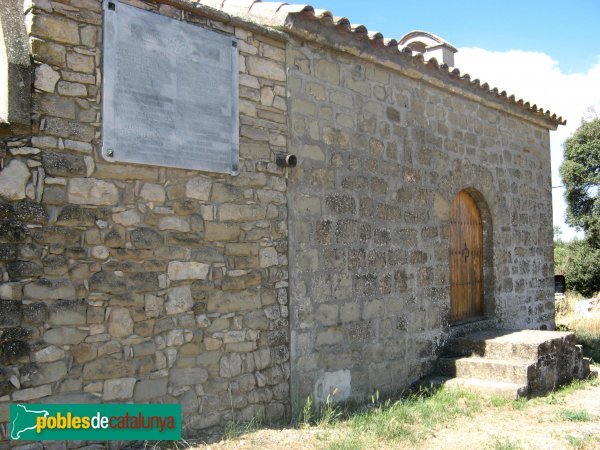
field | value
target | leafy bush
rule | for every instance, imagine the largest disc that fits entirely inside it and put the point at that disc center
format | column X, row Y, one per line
column 579, row 262
column 580, row 172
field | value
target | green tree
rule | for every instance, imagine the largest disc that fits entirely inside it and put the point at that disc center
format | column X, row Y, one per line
column 580, row 172
column 580, row 264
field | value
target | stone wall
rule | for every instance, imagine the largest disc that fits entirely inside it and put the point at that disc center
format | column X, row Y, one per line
column 381, row 157
column 148, row 284
column 138, row 283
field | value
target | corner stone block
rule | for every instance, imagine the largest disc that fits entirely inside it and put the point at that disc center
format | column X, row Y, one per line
column 179, row 300
column 180, row 270
column 262, row 68
column 55, row 29
column 89, row 191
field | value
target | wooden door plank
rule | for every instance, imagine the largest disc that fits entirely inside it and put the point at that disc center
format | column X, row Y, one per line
column 466, row 258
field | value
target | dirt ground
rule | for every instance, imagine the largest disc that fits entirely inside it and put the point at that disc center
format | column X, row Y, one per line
column 539, row 424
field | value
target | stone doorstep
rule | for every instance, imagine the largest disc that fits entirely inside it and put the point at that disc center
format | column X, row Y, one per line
column 486, row 387
column 510, row 371
column 526, row 345
column 510, row 363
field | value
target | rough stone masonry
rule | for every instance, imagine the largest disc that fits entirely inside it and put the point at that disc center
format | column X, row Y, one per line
column 138, row 283
column 133, row 283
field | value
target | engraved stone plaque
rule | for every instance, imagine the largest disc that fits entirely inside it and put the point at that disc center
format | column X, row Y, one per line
column 170, row 93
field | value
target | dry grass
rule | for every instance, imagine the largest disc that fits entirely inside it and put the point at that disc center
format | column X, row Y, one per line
column 587, row 329
column 565, row 307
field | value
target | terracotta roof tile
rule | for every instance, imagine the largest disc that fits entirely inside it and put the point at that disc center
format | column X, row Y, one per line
column 282, row 15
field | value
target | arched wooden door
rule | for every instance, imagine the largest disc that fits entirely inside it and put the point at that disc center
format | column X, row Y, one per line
column 466, row 259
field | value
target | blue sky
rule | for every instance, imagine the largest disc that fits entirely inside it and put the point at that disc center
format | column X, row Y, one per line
column 547, row 52
column 566, row 30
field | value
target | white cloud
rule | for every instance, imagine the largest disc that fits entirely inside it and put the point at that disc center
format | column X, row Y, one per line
column 537, row 78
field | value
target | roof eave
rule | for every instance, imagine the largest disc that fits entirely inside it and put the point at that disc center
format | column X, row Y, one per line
column 360, row 44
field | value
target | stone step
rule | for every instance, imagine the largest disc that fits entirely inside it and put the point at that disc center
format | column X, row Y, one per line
column 525, row 345
column 485, row 387
column 510, row 371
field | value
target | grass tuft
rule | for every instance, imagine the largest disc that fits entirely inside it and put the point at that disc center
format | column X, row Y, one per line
column 519, row 404
column 575, row 415
column 327, row 413
column 306, row 417
column 498, row 401
column 407, row 419
column 586, row 442
column 504, row 443
column 237, row 428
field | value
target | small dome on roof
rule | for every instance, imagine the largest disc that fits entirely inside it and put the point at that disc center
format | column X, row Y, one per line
column 430, row 45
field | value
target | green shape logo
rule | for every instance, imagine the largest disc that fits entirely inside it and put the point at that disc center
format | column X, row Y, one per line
column 24, row 420
column 107, row 421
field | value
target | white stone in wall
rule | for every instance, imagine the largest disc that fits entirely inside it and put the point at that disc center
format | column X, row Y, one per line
column 120, row 323
column 13, row 180
column 90, row 165
column 230, row 365
column 179, row 300
column 127, row 218
column 152, row 305
column 153, row 193
column 89, row 191
column 100, row 252
column 118, row 389
column 198, row 188
column 173, row 223
column 46, row 78
column 268, row 257
column 48, row 354
column 175, row 338
column 180, row 270
column 10, row 291
column 24, row 151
